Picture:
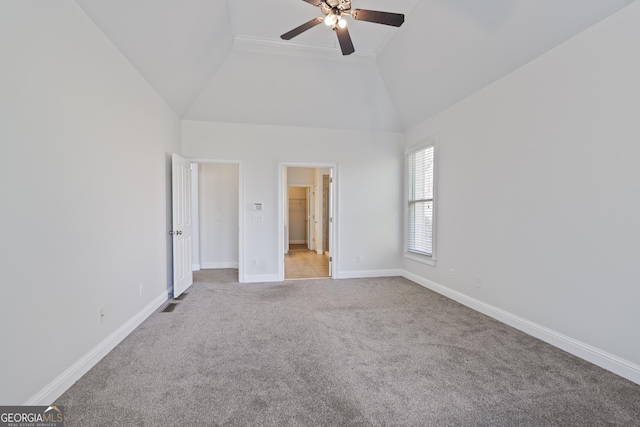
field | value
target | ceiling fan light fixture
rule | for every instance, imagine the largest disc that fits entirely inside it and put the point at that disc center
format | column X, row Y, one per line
column 342, row 23
column 330, row 20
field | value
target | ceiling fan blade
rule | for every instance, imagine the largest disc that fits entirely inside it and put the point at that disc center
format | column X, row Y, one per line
column 301, row 29
column 386, row 18
column 314, row 2
column 345, row 40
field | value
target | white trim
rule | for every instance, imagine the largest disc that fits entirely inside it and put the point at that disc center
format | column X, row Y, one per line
column 195, row 267
column 601, row 358
column 59, row 385
column 360, row 274
column 220, row 264
column 297, row 242
column 431, row 141
column 424, row 259
column 259, row 278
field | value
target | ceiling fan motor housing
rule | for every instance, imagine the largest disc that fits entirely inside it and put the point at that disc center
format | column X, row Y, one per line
column 337, row 7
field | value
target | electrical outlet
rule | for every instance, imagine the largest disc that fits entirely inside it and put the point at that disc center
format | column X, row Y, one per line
column 477, row 283
column 358, row 258
column 101, row 314
column 255, row 261
column 452, row 273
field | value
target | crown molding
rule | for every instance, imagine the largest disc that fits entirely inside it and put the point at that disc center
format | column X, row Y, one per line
column 254, row 44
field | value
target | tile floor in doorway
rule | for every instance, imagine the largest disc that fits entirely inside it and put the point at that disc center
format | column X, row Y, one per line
column 301, row 263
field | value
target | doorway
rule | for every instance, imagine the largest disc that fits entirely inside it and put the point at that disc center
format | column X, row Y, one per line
column 216, row 196
column 302, row 261
column 306, row 219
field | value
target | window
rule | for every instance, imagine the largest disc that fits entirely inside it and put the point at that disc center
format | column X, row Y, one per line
column 420, row 202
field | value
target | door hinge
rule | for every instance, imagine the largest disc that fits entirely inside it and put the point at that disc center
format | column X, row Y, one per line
column 330, row 219
column 331, row 180
column 330, row 259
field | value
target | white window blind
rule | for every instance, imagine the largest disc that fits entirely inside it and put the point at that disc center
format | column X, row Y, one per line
column 420, row 201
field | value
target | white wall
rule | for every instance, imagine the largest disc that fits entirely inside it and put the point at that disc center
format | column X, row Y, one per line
column 84, row 177
column 218, row 215
column 301, row 176
column 538, row 191
column 195, row 213
column 369, row 176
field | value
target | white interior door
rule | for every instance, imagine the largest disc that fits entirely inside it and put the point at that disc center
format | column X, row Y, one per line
column 330, row 226
column 182, row 227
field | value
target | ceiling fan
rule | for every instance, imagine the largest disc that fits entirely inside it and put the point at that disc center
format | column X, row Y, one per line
column 334, row 12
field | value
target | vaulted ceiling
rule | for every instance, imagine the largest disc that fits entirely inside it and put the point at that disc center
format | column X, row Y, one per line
column 224, row 61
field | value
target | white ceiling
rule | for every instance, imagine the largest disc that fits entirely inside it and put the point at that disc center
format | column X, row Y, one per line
column 223, row 60
column 464, row 45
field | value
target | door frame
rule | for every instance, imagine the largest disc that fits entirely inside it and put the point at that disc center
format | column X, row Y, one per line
column 241, row 234
column 282, row 194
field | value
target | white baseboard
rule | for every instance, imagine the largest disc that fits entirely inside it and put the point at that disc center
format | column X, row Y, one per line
column 58, row 386
column 598, row 357
column 368, row 273
column 223, row 264
column 257, row 278
column 195, row 267
column 297, row 242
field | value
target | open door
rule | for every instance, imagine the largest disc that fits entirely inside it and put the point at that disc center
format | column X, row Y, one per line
column 181, row 224
column 329, row 235
column 308, row 221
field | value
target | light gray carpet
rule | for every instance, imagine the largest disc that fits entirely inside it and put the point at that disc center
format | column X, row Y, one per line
column 374, row 352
